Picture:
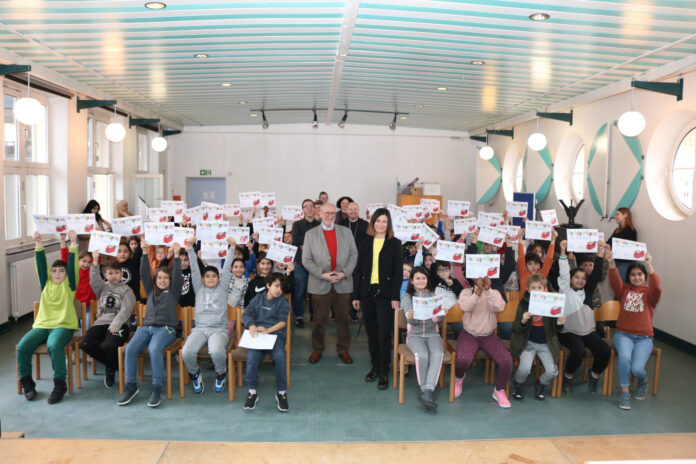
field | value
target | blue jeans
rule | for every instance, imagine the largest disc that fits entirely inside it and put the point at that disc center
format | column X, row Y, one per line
column 155, row 339
column 254, row 358
column 301, row 277
column 504, row 330
column 633, row 352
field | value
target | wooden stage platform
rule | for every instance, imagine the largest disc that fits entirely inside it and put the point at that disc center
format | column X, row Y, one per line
column 526, row 451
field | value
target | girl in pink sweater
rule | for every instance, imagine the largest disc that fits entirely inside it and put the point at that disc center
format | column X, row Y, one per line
column 480, row 304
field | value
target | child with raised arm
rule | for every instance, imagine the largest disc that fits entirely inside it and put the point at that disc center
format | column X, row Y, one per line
column 633, row 339
column 268, row 313
column 55, row 321
column 210, row 318
column 159, row 326
column 534, row 336
column 423, row 337
column 109, row 330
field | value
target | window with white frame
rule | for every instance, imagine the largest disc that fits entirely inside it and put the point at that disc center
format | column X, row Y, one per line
column 143, row 151
column 27, row 171
column 519, row 175
column 100, row 179
column 578, row 175
column 683, row 169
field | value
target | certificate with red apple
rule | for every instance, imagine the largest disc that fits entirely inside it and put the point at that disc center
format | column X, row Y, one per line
column 159, row 233
column 157, row 215
column 212, row 230
column 408, row 232
column 292, row 213
column 513, row 232
column 105, row 243
column 492, row 235
column 175, row 209
column 537, row 230
column 239, row 234
column 281, row 252
column 428, row 235
column 490, row 219
column 483, row 266
column 516, row 209
column 195, row 214
column 396, row 212
column 182, row 234
column 50, row 224
column 270, row 234
column 232, row 210
column 267, row 199
column 431, row 205
column 260, row 222
column 127, row 226
column 628, row 249
column 583, row 240
column 81, row 223
column 425, row 308
column 250, row 199
column 451, row 251
column 456, row 208
column 414, row 212
column 213, row 249
column 549, row 216
column 372, row 207
column 465, row 225
column 546, row 304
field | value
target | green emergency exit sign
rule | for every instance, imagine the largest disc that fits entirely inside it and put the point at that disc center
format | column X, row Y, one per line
column 206, row 172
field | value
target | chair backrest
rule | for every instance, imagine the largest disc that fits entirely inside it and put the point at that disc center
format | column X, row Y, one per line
column 288, row 332
column 509, row 312
column 397, row 315
column 512, row 296
column 454, row 314
column 609, row 311
column 36, row 309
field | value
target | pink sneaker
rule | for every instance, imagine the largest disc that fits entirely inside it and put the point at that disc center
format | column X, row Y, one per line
column 458, row 385
column 500, row 398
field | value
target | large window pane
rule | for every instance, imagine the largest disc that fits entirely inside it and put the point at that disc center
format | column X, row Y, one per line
column 10, row 129
column 143, row 151
column 37, row 199
column 578, row 177
column 12, row 207
column 102, row 193
column 100, row 145
column 35, row 141
column 149, row 189
column 683, row 169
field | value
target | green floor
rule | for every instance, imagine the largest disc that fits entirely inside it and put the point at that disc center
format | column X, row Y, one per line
column 330, row 402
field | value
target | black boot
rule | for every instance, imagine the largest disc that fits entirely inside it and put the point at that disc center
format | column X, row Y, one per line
column 29, row 387
column 518, row 391
column 539, row 391
column 59, row 389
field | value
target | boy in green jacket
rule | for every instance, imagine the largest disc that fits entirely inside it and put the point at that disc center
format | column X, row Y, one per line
column 55, row 321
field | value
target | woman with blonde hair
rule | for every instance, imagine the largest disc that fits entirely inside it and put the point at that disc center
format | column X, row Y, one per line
column 122, row 209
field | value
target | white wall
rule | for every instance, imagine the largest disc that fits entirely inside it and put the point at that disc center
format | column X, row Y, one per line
column 298, row 162
column 670, row 242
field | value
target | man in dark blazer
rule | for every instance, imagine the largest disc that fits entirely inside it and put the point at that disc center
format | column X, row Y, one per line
column 357, row 227
column 330, row 255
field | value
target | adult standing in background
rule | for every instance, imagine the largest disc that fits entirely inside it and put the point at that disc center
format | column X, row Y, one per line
column 357, row 226
column 299, row 229
column 376, row 290
column 323, row 197
column 122, row 209
column 624, row 230
column 342, row 206
column 93, row 207
column 330, row 255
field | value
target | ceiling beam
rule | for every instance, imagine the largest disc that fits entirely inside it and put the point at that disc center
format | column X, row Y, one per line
column 350, row 16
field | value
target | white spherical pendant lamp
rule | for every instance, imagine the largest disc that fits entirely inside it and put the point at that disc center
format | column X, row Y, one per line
column 486, row 152
column 159, row 144
column 537, row 141
column 115, row 132
column 631, row 123
column 28, row 111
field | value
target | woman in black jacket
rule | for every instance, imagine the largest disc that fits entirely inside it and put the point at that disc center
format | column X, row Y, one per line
column 378, row 293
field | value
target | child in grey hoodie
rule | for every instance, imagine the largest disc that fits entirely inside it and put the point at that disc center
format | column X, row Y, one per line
column 110, row 329
column 210, row 318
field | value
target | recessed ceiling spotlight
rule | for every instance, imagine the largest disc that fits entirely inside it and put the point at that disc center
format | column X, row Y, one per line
column 441, row 89
column 200, row 55
column 253, row 115
column 226, row 84
column 242, row 102
column 539, row 16
column 156, row 5
column 419, row 106
column 403, row 117
column 477, row 62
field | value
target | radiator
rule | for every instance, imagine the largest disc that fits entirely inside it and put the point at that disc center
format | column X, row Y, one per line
column 24, row 284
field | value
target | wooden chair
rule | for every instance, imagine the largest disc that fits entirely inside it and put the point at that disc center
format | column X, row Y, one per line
column 609, row 311
column 72, row 353
column 613, row 309
column 237, row 356
column 406, row 357
column 167, row 352
column 183, row 372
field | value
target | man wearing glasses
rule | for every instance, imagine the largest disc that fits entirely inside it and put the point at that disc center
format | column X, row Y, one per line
column 299, row 229
column 330, row 255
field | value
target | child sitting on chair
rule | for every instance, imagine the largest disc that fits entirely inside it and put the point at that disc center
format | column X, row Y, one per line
column 268, row 313
column 210, row 318
column 55, row 321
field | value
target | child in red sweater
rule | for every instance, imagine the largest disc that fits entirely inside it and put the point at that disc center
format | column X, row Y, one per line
column 633, row 339
column 84, row 293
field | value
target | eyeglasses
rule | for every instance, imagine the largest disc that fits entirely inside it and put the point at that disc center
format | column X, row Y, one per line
column 308, row 206
column 329, row 213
